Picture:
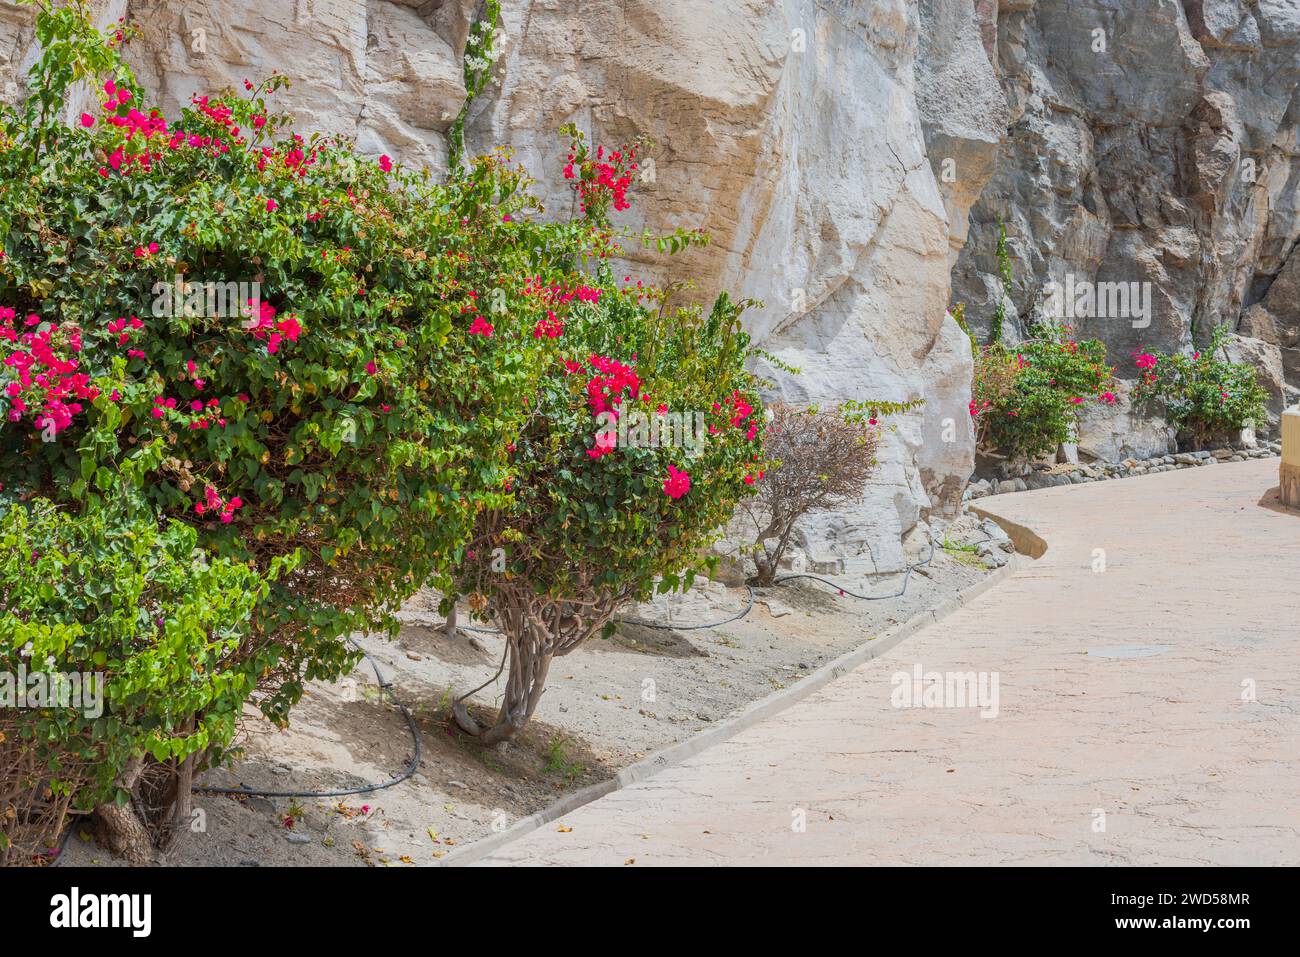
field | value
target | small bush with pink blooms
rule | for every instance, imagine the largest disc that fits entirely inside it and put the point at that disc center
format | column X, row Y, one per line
column 1204, row 396
column 1026, row 398
column 614, row 496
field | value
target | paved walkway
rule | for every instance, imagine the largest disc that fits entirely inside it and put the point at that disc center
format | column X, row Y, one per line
column 1119, row 691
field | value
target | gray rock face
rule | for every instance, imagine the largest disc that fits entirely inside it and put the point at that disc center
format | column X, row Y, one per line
column 1115, row 432
column 1150, row 142
column 796, row 134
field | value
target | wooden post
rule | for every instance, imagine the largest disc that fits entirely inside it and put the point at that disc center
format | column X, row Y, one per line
column 1290, row 468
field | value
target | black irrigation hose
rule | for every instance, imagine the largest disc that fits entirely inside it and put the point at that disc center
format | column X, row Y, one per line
column 716, row 624
column 385, row 685
column 907, row 577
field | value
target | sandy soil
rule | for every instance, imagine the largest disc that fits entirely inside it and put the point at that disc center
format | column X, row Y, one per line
column 607, row 705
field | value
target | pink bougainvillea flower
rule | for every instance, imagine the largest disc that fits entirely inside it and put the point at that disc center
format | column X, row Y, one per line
column 87, row 120
column 552, row 327
column 480, row 327
column 386, row 163
column 371, row 368
column 605, row 443
column 677, row 484
column 1145, row 361
column 272, row 206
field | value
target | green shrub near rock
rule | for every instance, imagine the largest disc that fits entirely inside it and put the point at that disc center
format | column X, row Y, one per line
column 1026, row 398
column 1203, row 395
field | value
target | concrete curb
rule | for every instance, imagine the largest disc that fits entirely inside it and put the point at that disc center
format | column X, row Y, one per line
column 755, row 712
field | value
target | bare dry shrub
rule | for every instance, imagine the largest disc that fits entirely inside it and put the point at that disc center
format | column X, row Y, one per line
column 822, row 461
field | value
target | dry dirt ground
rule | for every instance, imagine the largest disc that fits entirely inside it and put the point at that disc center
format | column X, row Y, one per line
column 608, row 704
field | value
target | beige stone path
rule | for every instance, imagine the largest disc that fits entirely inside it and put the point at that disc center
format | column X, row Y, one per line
column 1120, row 691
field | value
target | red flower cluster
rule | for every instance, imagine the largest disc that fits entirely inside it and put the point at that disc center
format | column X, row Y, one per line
column 605, row 443
column 270, row 330
column 738, row 415
column 677, row 484
column 214, row 504
column 1145, row 360
column 555, row 299
column 605, row 390
column 600, row 182
column 119, row 328
column 45, row 379
column 552, row 327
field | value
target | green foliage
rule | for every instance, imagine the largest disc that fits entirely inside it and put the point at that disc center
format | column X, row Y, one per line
column 1026, row 399
column 959, row 316
column 1203, row 394
column 480, row 56
column 870, row 412
column 557, row 761
column 1004, row 271
column 140, row 606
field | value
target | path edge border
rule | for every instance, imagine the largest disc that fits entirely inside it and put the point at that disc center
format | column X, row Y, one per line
column 755, row 711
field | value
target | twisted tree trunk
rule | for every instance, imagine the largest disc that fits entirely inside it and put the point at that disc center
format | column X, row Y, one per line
column 537, row 629
column 120, row 829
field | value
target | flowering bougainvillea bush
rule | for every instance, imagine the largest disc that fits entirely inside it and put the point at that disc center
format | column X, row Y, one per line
column 355, row 415
column 143, row 628
column 1203, row 395
column 645, row 432
column 1026, row 398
